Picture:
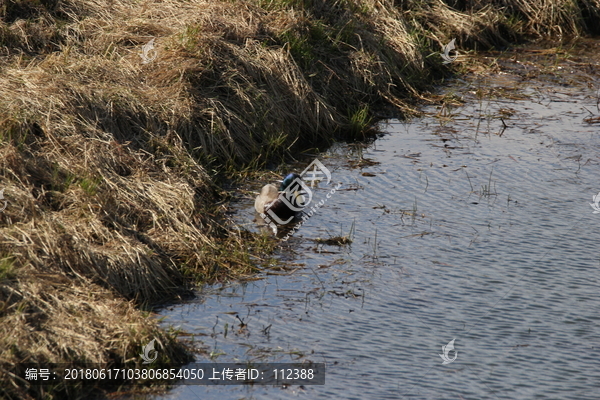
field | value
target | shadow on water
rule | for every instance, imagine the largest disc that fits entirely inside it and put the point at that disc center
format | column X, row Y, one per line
column 472, row 223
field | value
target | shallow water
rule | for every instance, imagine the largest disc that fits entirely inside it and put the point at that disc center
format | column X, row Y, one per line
column 466, row 231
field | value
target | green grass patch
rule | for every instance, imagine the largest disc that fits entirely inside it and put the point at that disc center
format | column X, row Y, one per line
column 8, row 268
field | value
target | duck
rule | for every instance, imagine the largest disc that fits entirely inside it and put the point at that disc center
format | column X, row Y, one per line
column 269, row 199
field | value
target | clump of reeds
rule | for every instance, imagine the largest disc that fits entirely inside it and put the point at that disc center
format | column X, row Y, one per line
column 341, row 239
column 334, row 240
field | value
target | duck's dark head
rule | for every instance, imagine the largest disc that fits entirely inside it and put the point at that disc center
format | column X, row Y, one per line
column 287, row 181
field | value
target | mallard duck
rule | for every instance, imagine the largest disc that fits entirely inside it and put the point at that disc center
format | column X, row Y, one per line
column 269, row 200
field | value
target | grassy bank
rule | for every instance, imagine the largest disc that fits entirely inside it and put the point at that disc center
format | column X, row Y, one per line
column 112, row 167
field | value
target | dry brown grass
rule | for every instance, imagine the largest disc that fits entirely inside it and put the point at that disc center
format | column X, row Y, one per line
column 109, row 164
column 484, row 27
column 47, row 318
column 569, row 17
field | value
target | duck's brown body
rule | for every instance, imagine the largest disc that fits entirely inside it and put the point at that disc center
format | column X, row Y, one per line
column 269, row 201
column 268, row 195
